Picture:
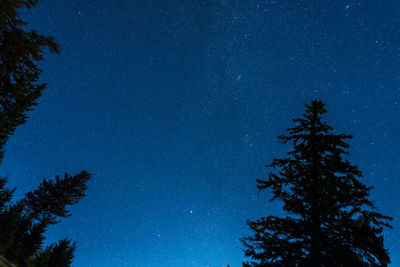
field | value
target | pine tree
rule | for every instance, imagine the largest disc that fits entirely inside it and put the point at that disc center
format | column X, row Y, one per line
column 24, row 222
column 330, row 221
column 20, row 50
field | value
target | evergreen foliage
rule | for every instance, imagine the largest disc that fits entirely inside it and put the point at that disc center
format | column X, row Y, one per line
column 20, row 50
column 330, row 221
column 24, row 222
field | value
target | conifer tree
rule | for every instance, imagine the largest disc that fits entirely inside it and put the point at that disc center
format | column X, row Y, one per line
column 330, row 221
column 20, row 50
column 24, row 222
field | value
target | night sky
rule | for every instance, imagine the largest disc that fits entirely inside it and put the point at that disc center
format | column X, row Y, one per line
column 174, row 107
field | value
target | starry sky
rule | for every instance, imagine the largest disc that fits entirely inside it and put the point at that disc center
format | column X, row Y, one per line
column 174, row 107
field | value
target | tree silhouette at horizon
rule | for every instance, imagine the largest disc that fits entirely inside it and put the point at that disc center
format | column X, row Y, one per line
column 332, row 222
column 23, row 222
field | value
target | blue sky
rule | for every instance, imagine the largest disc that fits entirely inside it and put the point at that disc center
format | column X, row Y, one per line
column 174, row 107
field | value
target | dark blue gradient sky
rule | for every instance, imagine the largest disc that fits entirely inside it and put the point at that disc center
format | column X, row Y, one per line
column 174, row 106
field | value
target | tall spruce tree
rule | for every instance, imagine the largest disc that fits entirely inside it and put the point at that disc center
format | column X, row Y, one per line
column 23, row 222
column 330, row 220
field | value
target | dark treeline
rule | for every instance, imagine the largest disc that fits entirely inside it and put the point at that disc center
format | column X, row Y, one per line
column 23, row 222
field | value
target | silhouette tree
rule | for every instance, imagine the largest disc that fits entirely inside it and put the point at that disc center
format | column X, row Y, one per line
column 20, row 50
column 332, row 222
column 23, row 222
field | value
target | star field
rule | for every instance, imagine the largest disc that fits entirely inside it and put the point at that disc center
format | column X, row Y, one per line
column 174, row 107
